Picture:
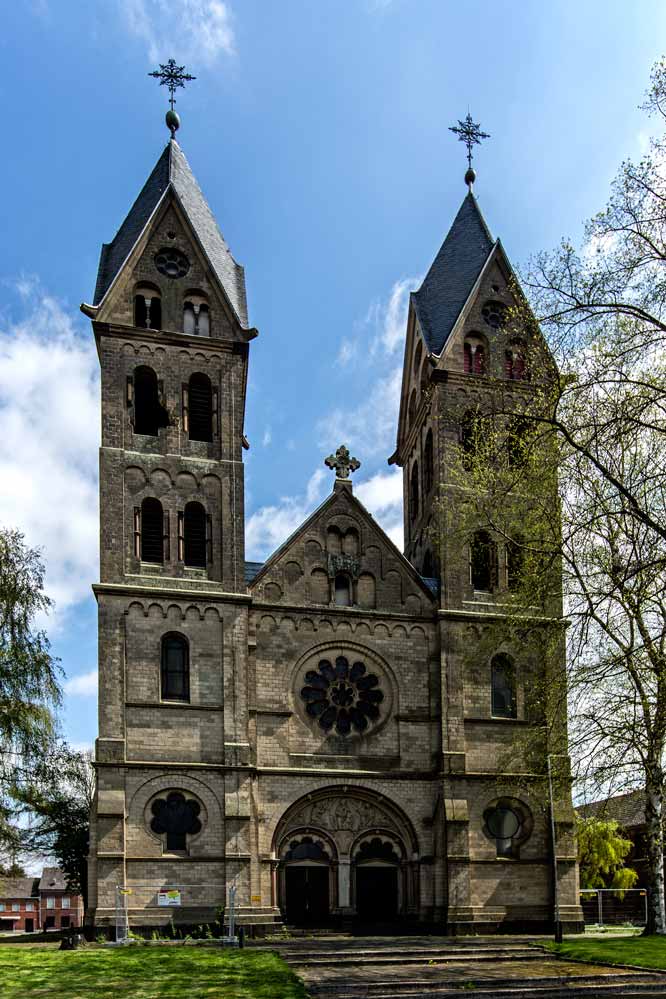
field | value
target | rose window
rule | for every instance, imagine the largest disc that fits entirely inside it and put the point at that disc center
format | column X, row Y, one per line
column 178, row 817
column 494, row 314
column 172, row 263
column 342, row 697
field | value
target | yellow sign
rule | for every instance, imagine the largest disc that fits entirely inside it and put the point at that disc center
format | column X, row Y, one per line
column 125, row 891
column 255, row 898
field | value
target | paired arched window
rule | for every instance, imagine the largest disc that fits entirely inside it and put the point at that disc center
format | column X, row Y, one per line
column 414, row 491
column 151, row 531
column 147, row 308
column 483, row 562
column 194, row 536
column 428, row 464
column 175, row 668
column 199, row 408
column 196, row 317
column 503, row 686
column 145, row 398
column 343, row 590
column 515, row 365
column 474, row 357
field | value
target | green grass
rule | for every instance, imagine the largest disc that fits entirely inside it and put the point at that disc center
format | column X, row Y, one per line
column 650, row 952
column 137, row 972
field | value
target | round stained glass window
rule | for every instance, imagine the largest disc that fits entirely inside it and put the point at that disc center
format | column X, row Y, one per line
column 172, row 263
column 342, row 697
column 494, row 314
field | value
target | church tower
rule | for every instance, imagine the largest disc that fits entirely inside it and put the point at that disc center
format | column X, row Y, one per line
column 169, row 317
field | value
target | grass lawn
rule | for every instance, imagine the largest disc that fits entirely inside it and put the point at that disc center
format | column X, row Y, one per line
column 144, row 973
column 650, row 952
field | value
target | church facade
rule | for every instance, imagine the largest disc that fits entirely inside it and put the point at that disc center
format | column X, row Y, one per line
column 311, row 730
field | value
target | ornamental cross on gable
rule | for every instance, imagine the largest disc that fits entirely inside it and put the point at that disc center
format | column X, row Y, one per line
column 342, row 462
column 171, row 76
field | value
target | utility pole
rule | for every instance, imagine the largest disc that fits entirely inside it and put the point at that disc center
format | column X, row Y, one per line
column 553, row 842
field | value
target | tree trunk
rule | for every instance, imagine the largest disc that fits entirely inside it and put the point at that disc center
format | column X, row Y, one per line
column 654, row 795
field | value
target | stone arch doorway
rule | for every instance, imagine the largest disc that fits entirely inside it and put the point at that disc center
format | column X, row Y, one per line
column 307, row 879
column 345, row 851
column 379, row 872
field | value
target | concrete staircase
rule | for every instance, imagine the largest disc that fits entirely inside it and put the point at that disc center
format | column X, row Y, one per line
column 345, row 967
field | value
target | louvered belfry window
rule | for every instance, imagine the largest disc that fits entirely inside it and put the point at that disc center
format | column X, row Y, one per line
column 144, row 395
column 200, row 408
column 196, row 536
column 483, row 562
column 152, row 531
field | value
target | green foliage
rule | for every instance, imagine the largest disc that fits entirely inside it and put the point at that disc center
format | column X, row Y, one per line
column 602, row 851
column 55, row 800
column 646, row 952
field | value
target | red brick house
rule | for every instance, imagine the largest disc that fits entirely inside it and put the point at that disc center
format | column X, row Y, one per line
column 33, row 904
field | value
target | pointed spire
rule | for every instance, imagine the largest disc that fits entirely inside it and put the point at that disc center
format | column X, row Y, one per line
column 172, row 76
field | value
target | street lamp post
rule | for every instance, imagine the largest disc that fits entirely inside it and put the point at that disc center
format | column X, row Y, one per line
column 553, row 841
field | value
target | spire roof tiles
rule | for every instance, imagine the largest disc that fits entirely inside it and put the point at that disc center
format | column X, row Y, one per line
column 173, row 170
column 452, row 275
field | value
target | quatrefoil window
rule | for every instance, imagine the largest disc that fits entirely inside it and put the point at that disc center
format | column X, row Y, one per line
column 177, row 816
column 172, row 263
column 342, row 697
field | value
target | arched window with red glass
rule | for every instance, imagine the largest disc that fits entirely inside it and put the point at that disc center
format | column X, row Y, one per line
column 474, row 356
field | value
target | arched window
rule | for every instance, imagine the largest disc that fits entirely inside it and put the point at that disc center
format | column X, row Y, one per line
column 515, row 365
column 143, row 392
column 194, row 536
column 414, row 491
column 503, row 686
column 428, row 464
column 516, row 442
column 483, row 562
column 412, row 408
column 509, row 823
column 147, row 308
column 196, row 319
column 175, row 668
column 153, row 531
column 198, row 408
column 474, row 357
column 343, row 596
column 470, row 431
column 418, row 353
column 428, row 566
column 515, row 558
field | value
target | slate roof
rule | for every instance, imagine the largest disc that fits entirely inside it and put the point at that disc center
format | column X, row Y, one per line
column 251, row 570
column 627, row 809
column 173, row 170
column 432, row 583
column 18, row 887
column 452, row 275
column 52, row 879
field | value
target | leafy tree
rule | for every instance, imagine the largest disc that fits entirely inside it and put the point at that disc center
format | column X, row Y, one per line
column 55, row 802
column 29, row 688
column 12, row 870
column 596, row 425
column 602, row 851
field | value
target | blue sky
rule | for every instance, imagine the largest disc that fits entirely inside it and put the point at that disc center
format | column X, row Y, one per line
column 319, row 133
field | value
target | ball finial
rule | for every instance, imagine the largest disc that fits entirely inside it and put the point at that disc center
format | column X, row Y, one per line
column 173, row 122
column 470, row 177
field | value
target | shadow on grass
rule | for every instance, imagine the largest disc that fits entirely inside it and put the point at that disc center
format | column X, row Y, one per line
column 145, row 973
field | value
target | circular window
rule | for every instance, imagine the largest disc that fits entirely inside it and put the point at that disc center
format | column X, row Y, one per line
column 342, row 697
column 172, row 263
column 494, row 314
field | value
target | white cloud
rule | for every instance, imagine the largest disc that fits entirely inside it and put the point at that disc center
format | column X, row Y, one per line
column 270, row 526
column 49, row 389
column 267, row 438
column 201, row 30
column 382, row 496
column 348, row 351
column 83, row 685
column 369, row 427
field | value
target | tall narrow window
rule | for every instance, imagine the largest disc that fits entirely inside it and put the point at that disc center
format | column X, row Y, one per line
column 515, row 366
column 175, row 668
column 469, row 436
column 343, row 590
column 149, row 412
column 517, row 442
column 195, row 535
column 483, row 562
column 503, row 687
column 428, row 566
column 474, row 358
column 200, row 408
column 428, row 464
column 196, row 320
column 152, row 531
column 514, row 562
column 414, row 491
column 411, row 413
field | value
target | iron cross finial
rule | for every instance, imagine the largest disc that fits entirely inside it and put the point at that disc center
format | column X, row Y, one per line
column 172, row 76
column 342, row 463
column 469, row 132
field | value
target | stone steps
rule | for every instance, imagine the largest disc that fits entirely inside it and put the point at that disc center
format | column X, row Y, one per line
column 431, row 957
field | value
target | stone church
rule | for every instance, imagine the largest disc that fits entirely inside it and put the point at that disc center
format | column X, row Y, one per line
column 310, row 730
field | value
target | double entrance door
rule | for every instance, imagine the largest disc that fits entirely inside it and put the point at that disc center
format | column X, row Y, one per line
column 308, row 900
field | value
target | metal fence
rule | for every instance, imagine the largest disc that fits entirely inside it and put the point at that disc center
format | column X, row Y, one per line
column 158, row 900
column 614, row 906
